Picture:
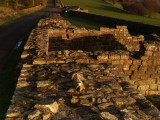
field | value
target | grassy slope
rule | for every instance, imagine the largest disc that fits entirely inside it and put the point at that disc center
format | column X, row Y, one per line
column 100, row 7
column 5, row 10
column 80, row 22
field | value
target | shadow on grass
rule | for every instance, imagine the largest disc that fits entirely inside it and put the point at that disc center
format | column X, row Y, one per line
column 109, row 8
column 88, row 24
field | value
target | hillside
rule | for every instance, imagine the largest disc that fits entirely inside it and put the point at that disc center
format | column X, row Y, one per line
column 100, row 7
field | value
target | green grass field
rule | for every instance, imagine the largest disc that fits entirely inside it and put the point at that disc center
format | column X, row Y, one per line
column 101, row 7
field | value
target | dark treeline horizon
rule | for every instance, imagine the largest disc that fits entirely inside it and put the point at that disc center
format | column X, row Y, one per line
column 20, row 4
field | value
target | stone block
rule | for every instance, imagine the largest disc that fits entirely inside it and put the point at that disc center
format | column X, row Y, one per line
column 144, row 58
column 46, row 116
column 39, row 61
column 142, row 88
column 51, row 105
column 115, row 62
column 128, row 62
column 156, row 62
column 150, row 47
column 150, row 81
column 114, row 57
column 21, row 84
column 50, row 61
column 126, row 67
column 143, row 68
column 157, row 53
column 134, row 67
column 41, row 84
column 108, row 116
column 13, row 111
column 137, row 62
column 74, row 100
column 152, row 92
column 147, row 62
column 158, row 87
column 60, row 61
column 24, row 55
column 148, row 53
column 82, row 61
column 34, row 114
column 153, row 87
column 104, row 29
column 142, row 92
column 141, row 83
column 102, row 58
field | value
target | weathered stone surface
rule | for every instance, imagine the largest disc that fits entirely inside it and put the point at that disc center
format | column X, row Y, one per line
column 34, row 114
column 13, row 112
column 39, row 61
column 46, row 116
column 72, row 73
column 24, row 55
column 48, row 104
column 78, row 78
column 108, row 116
column 104, row 105
column 74, row 100
column 42, row 84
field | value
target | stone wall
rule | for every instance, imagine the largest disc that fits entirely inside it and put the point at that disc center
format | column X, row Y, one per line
column 137, row 60
column 134, row 27
column 58, row 80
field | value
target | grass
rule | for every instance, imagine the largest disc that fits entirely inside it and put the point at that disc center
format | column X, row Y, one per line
column 5, row 9
column 80, row 22
column 9, row 19
column 103, row 8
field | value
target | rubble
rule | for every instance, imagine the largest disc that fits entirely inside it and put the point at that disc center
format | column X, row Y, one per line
column 72, row 73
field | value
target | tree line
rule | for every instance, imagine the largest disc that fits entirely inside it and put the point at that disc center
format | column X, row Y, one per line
column 140, row 7
column 20, row 4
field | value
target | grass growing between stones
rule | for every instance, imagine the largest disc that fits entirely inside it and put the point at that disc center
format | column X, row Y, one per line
column 100, row 7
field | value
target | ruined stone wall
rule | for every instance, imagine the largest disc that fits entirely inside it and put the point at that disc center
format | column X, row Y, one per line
column 135, row 27
column 105, row 39
column 85, row 84
column 139, row 65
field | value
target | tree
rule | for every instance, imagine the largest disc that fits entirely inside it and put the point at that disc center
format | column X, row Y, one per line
column 16, row 5
column 152, row 6
column 114, row 1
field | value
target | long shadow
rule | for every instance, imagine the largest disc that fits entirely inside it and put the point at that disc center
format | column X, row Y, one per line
column 105, row 42
column 155, row 99
column 109, row 8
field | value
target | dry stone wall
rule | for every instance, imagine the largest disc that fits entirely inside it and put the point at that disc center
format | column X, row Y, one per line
column 130, row 54
column 106, row 80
